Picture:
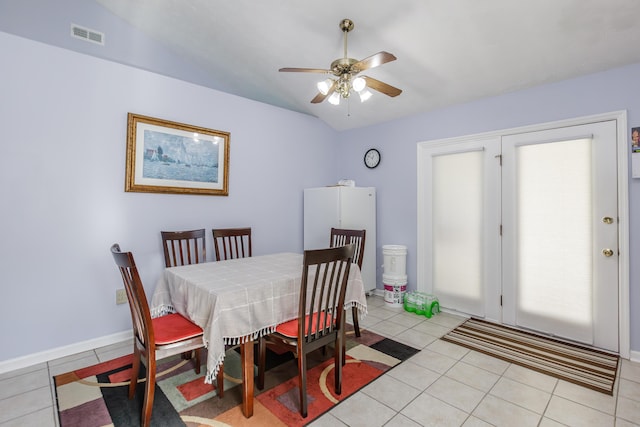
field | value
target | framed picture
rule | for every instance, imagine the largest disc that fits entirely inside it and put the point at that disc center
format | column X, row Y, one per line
column 170, row 157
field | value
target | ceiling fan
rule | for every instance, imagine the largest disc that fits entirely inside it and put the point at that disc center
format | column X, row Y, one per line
column 345, row 70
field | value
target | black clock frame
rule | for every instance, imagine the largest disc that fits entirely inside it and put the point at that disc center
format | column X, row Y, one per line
column 367, row 153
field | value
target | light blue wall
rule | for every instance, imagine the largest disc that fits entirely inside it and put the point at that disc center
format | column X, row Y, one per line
column 63, row 117
column 395, row 178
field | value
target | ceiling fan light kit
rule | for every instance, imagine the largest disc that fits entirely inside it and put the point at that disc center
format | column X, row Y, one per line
column 358, row 84
column 364, row 95
column 324, row 86
column 345, row 70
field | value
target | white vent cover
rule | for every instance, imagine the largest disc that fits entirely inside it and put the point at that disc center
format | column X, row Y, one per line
column 87, row 34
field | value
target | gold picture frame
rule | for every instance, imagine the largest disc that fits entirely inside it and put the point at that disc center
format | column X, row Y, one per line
column 170, row 157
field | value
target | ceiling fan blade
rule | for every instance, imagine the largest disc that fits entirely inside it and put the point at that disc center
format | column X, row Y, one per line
column 373, row 61
column 382, row 87
column 320, row 97
column 303, row 70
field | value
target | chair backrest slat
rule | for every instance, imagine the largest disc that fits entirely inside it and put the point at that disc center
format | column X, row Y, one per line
column 231, row 243
column 140, row 314
column 343, row 236
column 322, row 291
column 183, row 247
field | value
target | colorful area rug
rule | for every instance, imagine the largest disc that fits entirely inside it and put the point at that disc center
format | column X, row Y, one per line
column 97, row 395
column 579, row 365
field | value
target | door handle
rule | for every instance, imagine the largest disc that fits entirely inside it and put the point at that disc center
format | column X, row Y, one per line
column 607, row 252
column 607, row 220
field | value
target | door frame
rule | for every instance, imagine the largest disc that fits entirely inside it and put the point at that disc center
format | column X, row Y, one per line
column 424, row 282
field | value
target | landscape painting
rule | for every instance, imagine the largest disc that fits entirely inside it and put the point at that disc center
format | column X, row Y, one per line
column 171, row 157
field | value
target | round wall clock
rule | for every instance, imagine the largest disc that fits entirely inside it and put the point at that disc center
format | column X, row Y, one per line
column 372, row 158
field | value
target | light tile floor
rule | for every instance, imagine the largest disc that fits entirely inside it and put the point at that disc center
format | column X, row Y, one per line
column 442, row 385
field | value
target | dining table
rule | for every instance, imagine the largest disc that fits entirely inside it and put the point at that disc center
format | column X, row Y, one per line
column 238, row 300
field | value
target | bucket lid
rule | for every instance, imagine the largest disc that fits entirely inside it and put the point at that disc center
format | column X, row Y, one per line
column 390, row 279
column 394, row 247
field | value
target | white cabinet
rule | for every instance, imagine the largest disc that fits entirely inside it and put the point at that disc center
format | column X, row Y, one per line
column 342, row 207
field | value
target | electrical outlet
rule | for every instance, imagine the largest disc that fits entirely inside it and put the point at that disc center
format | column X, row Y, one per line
column 121, row 296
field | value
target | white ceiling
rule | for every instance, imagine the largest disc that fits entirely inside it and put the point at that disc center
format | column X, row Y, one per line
column 449, row 51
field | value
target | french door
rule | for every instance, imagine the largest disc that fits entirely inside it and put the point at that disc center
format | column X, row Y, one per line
column 560, row 235
column 522, row 229
column 462, row 218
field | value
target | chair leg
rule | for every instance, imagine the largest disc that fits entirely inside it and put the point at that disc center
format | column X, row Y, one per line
column 135, row 370
column 339, row 361
column 262, row 357
column 356, row 328
column 220, row 382
column 354, row 315
column 149, row 393
column 302, row 377
column 197, row 360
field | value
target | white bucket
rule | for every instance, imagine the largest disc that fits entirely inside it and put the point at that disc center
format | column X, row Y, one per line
column 394, row 289
column 395, row 260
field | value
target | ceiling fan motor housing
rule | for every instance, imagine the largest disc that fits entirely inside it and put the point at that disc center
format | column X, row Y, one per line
column 342, row 66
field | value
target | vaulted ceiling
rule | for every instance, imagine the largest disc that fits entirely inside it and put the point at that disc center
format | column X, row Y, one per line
column 448, row 52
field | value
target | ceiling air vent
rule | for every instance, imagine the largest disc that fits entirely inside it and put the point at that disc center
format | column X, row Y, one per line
column 87, row 34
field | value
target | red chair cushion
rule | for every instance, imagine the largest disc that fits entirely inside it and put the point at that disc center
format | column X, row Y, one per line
column 290, row 329
column 173, row 328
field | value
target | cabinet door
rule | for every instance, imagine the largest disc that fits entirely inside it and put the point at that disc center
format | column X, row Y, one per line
column 358, row 211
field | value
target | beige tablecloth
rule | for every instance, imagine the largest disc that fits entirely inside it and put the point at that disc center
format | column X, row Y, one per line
column 241, row 299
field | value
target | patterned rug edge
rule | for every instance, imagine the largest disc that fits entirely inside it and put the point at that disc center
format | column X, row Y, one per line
column 603, row 381
column 391, row 348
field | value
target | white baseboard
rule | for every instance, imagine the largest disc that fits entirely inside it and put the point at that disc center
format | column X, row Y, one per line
column 67, row 350
column 377, row 292
column 634, row 356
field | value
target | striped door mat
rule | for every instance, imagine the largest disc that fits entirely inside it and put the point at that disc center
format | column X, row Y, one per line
column 580, row 365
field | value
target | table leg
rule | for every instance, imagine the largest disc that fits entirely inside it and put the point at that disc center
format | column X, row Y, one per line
column 246, row 357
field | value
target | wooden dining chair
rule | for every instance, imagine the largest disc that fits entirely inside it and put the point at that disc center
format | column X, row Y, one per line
column 320, row 318
column 183, row 247
column 340, row 237
column 230, row 243
column 154, row 339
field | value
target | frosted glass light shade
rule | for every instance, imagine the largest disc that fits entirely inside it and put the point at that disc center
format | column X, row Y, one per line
column 334, row 99
column 324, row 86
column 364, row 95
column 358, row 84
